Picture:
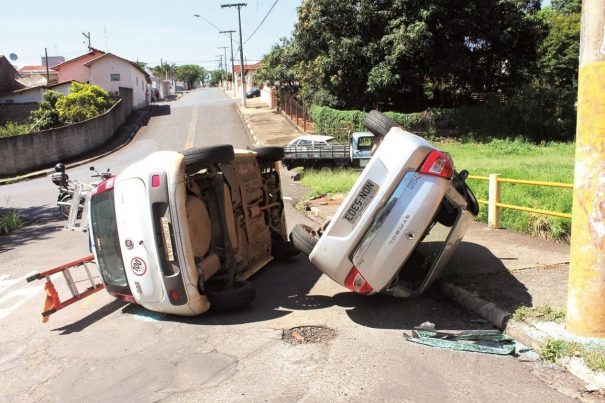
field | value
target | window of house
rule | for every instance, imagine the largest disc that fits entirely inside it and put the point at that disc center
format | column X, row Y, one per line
column 137, row 81
column 114, row 77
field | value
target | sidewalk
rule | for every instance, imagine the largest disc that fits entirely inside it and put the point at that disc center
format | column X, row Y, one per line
column 493, row 273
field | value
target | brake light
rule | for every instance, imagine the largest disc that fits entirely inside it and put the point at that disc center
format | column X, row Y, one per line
column 439, row 164
column 356, row 282
column 174, row 295
column 155, row 181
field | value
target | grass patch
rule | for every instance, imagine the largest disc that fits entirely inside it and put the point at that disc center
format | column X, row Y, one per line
column 554, row 349
column 514, row 159
column 543, row 313
column 519, row 159
column 10, row 221
column 328, row 181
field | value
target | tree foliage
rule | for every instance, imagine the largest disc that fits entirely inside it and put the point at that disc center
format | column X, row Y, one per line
column 165, row 71
column 216, row 76
column 47, row 116
column 405, row 53
column 84, row 101
column 190, row 73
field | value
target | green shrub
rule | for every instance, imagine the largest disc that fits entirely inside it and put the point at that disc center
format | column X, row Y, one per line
column 14, row 129
column 10, row 222
column 84, row 102
column 47, row 116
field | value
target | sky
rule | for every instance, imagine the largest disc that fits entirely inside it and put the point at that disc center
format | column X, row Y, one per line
column 144, row 30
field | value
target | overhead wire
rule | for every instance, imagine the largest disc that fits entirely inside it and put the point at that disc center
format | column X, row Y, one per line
column 261, row 23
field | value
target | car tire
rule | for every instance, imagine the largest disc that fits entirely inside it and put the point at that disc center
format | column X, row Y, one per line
column 199, row 157
column 241, row 294
column 270, row 153
column 281, row 249
column 304, row 238
column 378, row 124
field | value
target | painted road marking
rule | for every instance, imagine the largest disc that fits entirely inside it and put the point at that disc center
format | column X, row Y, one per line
column 191, row 131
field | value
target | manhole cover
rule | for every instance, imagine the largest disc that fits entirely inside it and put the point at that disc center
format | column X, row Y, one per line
column 308, row 334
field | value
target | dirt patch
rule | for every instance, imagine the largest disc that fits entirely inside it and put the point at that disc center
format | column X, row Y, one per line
column 308, row 334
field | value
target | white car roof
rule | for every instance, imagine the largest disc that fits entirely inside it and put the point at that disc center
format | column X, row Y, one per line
column 313, row 137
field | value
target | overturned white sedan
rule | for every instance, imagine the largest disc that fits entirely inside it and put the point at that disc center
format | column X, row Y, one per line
column 400, row 223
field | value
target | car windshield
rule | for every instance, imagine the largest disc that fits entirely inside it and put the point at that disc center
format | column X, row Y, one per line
column 106, row 241
column 365, row 143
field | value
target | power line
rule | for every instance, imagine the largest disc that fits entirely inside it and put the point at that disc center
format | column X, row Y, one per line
column 261, row 23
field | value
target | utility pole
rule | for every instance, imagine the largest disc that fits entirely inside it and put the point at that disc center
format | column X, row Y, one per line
column 220, row 67
column 231, row 32
column 47, row 70
column 224, row 65
column 241, row 46
column 586, row 292
column 87, row 36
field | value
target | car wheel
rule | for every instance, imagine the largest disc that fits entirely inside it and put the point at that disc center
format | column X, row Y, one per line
column 378, row 124
column 241, row 294
column 200, row 157
column 281, row 249
column 270, row 153
column 304, row 238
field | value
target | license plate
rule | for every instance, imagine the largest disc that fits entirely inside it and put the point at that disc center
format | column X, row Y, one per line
column 358, row 205
column 167, row 240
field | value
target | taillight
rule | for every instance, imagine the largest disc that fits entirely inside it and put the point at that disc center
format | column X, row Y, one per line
column 439, row 164
column 155, row 181
column 175, row 295
column 356, row 282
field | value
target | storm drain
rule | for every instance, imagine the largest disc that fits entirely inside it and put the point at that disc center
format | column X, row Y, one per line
column 308, row 334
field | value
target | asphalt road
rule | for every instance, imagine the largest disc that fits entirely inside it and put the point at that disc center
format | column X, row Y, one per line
column 103, row 350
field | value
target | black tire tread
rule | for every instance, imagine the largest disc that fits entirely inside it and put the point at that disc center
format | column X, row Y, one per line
column 378, row 124
column 199, row 157
column 302, row 238
column 270, row 153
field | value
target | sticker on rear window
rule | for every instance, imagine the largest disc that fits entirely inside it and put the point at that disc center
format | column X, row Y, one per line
column 358, row 205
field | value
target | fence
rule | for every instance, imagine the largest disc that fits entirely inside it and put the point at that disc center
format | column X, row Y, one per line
column 296, row 111
column 494, row 205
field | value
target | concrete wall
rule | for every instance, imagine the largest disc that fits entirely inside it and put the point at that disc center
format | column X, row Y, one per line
column 15, row 112
column 126, row 97
column 32, row 151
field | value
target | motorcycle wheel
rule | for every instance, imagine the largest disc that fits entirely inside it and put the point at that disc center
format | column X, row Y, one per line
column 64, row 209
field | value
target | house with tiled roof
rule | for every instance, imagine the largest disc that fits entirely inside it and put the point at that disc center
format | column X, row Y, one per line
column 108, row 71
column 249, row 72
column 38, row 75
column 33, row 94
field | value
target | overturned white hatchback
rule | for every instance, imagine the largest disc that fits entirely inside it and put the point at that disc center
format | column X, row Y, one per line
column 400, row 223
column 182, row 232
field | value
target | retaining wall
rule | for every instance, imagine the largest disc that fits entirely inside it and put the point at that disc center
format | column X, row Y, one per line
column 26, row 153
column 16, row 112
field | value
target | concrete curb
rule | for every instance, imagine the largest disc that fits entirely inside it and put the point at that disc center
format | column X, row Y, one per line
column 46, row 172
column 525, row 333
column 247, row 125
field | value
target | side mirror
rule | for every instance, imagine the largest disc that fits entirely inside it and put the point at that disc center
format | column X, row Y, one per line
column 92, row 168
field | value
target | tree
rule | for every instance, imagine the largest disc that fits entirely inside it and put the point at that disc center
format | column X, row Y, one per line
column 406, row 54
column 165, row 71
column 47, row 116
column 84, row 101
column 190, row 73
column 142, row 65
column 216, row 76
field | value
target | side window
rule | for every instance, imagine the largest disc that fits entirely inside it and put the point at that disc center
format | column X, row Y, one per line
column 137, row 81
column 305, row 143
column 114, row 77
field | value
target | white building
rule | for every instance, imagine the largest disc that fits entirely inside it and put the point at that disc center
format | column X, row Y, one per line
column 33, row 94
column 111, row 72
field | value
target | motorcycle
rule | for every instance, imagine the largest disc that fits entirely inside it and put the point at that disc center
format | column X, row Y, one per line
column 67, row 188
